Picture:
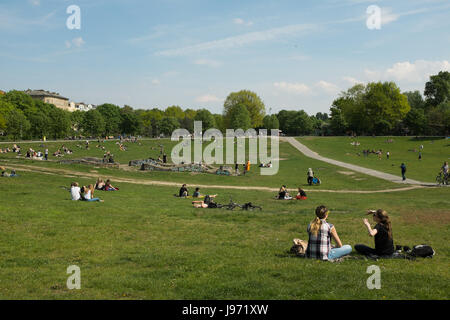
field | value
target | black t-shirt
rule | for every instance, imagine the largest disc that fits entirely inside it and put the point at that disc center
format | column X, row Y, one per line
column 281, row 194
column 182, row 190
column 383, row 245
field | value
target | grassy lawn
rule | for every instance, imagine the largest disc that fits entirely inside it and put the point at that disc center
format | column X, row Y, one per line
column 142, row 243
column 434, row 153
column 292, row 171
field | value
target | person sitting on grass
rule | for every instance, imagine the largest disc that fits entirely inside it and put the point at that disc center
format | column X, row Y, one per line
column 100, row 184
column 382, row 232
column 320, row 234
column 87, row 194
column 196, row 193
column 301, row 195
column 283, row 194
column 183, row 191
column 109, row 187
column 75, row 191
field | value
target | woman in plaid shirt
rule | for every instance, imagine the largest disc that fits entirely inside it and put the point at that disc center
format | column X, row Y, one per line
column 320, row 233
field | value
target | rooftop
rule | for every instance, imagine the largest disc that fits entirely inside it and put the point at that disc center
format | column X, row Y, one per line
column 44, row 93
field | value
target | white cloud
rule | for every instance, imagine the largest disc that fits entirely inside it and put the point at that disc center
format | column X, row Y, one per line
column 299, row 88
column 156, row 82
column 415, row 72
column 208, row 63
column 207, row 98
column 238, row 41
column 387, row 16
column 242, row 22
column 76, row 42
column 352, row 81
column 328, row 87
column 35, row 2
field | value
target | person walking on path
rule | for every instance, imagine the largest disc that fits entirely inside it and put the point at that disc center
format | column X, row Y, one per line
column 403, row 167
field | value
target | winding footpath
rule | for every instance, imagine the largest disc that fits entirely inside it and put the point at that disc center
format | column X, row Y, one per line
column 374, row 173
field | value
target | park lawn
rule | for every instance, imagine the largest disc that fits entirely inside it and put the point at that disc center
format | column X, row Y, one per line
column 292, row 170
column 434, row 153
column 142, row 243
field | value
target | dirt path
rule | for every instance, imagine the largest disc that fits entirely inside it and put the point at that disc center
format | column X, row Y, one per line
column 74, row 174
column 374, row 173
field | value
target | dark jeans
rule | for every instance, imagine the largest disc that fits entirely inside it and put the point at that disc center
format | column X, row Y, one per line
column 365, row 250
column 310, row 180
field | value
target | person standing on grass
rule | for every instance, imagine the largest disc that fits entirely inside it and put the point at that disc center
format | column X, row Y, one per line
column 420, row 155
column 387, row 155
column 382, row 232
column 403, row 167
column 46, row 154
column 236, row 169
column 320, row 234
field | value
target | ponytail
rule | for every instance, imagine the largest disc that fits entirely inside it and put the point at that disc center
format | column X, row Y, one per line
column 315, row 226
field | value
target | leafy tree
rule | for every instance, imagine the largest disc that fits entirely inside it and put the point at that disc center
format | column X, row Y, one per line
column 338, row 125
column 39, row 124
column 218, row 119
column 129, row 121
column 416, row 121
column 271, row 122
column 190, row 114
column 415, row 99
column 437, row 90
column 16, row 123
column 168, row 125
column 248, row 99
column 174, row 111
column 19, row 99
column 239, row 117
column 206, row 118
column 76, row 120
column 59, row 124
column 112, row 118
column 93, row 123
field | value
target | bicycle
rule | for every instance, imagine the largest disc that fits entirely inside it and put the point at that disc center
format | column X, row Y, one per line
column 233, row 205
column 442, row 179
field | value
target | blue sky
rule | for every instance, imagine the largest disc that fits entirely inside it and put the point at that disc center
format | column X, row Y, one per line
column 193, row 53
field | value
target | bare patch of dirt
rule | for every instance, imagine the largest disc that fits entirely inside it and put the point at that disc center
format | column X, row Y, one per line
column 347, row 173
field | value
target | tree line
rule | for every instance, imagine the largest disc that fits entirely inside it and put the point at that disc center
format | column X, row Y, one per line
column 377, row 108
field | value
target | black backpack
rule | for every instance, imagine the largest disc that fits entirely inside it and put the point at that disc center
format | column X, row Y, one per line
column 212, row 205
column 423, row 251
column 207, row 199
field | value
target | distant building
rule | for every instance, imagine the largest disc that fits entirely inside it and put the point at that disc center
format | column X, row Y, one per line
column 81, row 106
column 50, row 97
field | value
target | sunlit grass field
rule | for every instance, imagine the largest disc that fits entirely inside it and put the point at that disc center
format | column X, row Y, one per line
column 143, row 243
column 292, row 168
column 402, row 149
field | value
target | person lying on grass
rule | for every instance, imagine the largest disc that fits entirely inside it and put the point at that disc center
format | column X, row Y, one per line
column 382, row 232
column 207, row 202
column 301, row 195
column 320, row 234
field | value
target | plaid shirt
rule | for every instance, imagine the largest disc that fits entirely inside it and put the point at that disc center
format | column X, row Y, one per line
column 319, row 245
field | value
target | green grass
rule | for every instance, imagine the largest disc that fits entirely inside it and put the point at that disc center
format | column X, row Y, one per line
column 435, row 152
column 142, row 243
column 292, row 171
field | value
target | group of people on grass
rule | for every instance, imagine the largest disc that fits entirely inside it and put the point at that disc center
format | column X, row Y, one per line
column 15, row 148
column 86, row 193
column 321, row 232
column 6, row 174
column 283, row 194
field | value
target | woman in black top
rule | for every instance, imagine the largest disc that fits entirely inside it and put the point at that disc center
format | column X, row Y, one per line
column 384, row 243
